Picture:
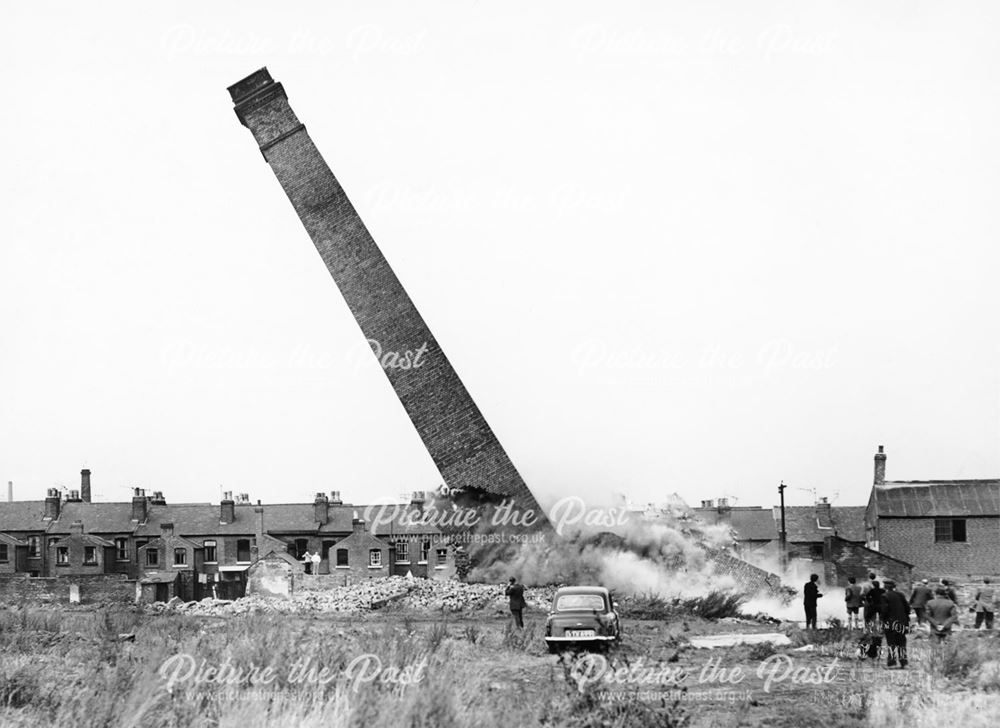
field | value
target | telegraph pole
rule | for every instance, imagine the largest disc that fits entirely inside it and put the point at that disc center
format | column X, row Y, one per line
column 783, row 542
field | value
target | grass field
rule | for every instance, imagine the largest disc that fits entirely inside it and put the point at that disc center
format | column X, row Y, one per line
column 70, row 667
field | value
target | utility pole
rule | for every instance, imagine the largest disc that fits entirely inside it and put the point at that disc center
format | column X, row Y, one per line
column 783, row 542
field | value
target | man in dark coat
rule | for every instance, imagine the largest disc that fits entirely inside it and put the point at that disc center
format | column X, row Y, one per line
column 895, row 613
column 873, row 607
column 810, row 594
column 515, row 593
column 942, row 613
column 918, row 599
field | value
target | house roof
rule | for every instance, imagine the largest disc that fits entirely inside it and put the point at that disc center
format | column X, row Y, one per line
column 156, row 542
column 195, row 519
column 282, row 556
column 750, row 524
column 23, row 516
column 11, row 541
column 809, row 524
column 96, row 517
column 926, row 499
column 85, row 537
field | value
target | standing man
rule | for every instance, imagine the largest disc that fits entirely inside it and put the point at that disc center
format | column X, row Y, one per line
column 896, row 623
column 942, row 613
column 984, row 605
column 919, row 598
column 810, row 595
column 852, row 599
column 515, row 593
column 873, row 607
column 868, row 614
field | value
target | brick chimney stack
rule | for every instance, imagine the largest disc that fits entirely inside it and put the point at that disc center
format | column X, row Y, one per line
column 880, row 466
column 166, row 530
column 227, row 508
column 52, row 504
column 139, row 505
column 85, row 485
column 455, row 433
column 76, row 527
column 321, row 509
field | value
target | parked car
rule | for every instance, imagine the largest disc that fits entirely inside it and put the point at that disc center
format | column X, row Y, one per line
column 582, row 616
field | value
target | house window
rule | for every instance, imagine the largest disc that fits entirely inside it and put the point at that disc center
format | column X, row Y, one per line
column 816, row 550
column 34, row 547
column 4, row 556
column 180, row 557
column 375, row 558
column 243, row 550
column 152, row 557
column 90, row 554
column 425, row 549
column 402, row 553
column 442, row 555
column 62, row 554
column 342, row 557
column 210, row 555
column 121, row 549
column 949, row 530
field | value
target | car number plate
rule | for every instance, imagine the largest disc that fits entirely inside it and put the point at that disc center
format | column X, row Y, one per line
column 579, row 633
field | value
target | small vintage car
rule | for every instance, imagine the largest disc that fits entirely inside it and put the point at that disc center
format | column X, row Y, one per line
column 582, row 616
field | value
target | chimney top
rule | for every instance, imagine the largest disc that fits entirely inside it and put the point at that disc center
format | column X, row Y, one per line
column 227, row 496
column 256, row 81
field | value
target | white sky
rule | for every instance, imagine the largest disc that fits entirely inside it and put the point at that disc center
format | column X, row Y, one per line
column 691, row 247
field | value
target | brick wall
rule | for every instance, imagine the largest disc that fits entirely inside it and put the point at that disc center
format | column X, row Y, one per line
column 453, row 430
column 749, row 578
column 844, row 559
column 100, row 589
column 912, row 540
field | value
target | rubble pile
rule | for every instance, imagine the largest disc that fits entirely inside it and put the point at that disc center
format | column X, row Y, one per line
column 421, row 595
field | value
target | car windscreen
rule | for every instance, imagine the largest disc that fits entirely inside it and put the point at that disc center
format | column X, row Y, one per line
column 580, row 601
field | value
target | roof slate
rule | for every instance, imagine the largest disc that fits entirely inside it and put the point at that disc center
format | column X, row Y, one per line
column 23, row 516
column 803, row 523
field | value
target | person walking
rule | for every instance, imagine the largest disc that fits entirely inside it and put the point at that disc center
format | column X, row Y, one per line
column 810, row 595
column 515, row 595
column 985, row 605
column 918, row 599
column 867, row 612
column 873, row 607
column 942, row 613
column 852, row 600
column 895, row 613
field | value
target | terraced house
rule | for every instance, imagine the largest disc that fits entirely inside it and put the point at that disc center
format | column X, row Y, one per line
column 193, row 550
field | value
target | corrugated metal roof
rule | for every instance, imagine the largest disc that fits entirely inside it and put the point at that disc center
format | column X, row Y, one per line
column 938, row 498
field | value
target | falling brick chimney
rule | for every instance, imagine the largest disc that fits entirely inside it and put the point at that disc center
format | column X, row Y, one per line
column 454, row 431
column 880, row 466
column 418, row 499
column 139, row 504
column 227, row 508
column 321, row 509
column 52, row 504
column 85, row 485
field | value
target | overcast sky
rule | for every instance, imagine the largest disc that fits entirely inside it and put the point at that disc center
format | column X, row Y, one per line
column 669, row 247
